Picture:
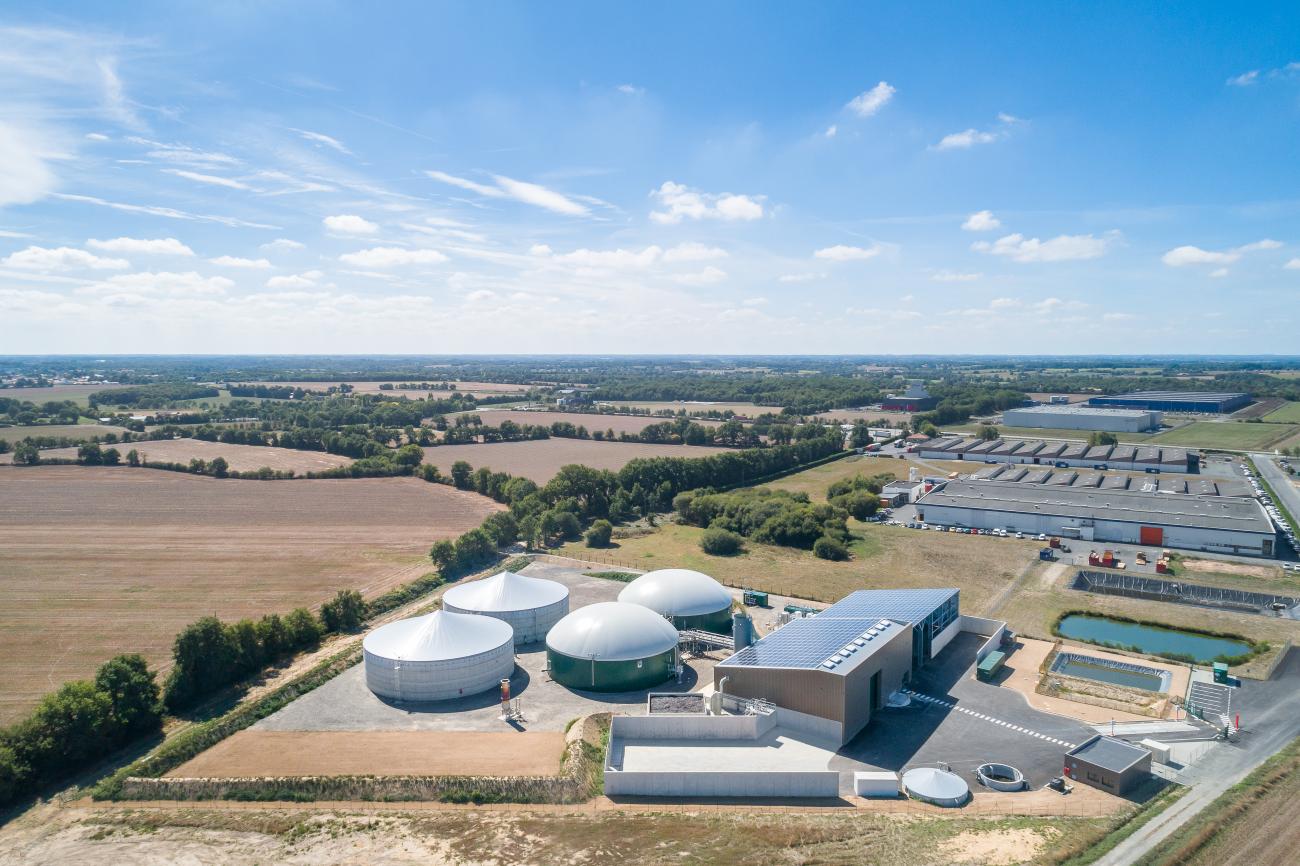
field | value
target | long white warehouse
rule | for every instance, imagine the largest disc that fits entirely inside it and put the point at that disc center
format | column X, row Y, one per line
column 1219, row 524
column 1082, row 418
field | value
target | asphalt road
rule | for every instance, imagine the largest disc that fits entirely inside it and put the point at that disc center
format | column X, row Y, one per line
column 1270, row 720
column 1281, row 484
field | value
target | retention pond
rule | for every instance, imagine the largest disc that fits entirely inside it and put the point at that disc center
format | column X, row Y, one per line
column 1150, row 639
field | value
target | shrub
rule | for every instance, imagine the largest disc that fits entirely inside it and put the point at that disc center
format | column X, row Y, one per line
column 344, row 612
column 859, row 504
column 600, row 533
column 717, row 541
column 830, row 548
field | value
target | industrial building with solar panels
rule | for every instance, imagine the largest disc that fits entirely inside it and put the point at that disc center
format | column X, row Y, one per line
column 833, row 671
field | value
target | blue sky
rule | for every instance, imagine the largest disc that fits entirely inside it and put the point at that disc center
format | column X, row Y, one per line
column 682, row 177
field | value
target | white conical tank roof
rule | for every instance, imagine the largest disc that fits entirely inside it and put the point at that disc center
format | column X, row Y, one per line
column 438, row 636
column 677, row 592
column 612, row 631
column 506, row 591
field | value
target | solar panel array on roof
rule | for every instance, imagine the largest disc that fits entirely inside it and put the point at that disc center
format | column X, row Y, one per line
column 814, row 643
column 903, row 605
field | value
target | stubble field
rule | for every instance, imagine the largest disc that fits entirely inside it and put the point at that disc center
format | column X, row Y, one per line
column 242, row 458
column 14, row 435
column 540, row 459
column 592, row 421
column 99, row 561
column 476, row 388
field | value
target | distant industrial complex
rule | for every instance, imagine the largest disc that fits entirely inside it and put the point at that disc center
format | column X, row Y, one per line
column 1083, row 418
column 1201, row 402
column 1060, row 454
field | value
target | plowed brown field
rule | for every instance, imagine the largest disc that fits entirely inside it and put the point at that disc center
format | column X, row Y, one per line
column 96, row 561
column 540, row 459
column 242, row 458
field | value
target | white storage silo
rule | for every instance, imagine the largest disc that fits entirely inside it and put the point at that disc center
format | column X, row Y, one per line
column 438, row 657
column 530, row 605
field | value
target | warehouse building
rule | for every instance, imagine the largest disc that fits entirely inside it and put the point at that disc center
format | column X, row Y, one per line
column 1176, row 401
column 1062, row 454
column 1082, row 418
column 831, row 672
column 914, row 399
column 1218, row 524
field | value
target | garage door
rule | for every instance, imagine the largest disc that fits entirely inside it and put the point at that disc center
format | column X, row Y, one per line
column 1151, row 535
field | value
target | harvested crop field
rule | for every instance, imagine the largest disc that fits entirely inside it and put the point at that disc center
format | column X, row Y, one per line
column 379, row 753
column 14, row 435
column 75, row 393
column 99, row 561
column 1238, row 435
column 749, row 410
column 540, row 459
column 242, row 458
column 374, row 387
column 593, row 422
column 870, row 415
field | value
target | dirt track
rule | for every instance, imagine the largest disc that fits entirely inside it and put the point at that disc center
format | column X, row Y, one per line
column 380, row 753
column 98, row 561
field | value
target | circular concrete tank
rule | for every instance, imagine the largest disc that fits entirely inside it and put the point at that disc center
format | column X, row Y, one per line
column 437, row 657
column 1000, row 777
column 939, row 787
column 531, row 605
column 689, row 599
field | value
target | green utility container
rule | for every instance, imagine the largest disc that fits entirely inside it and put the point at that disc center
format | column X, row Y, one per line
column 755, row 598
column 1221, row 672
column 798, row 608
column 992, row 663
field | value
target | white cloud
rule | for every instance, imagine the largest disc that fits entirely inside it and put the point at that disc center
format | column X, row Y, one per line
column 870, row 101
column 282, row 244
column 800, row 278
column 754, row 302
column 25, row 173
column 982, row 221
column 707, row 277
column 631, row 89
column 522, row 191
column 304, row 280
column 184, row 154
column 1293, row 265
column 619, row 259
column 350, row 224
column 96, row 136
column 1219, row 272
column 965, row 139
column 540, row 196
column 1245, row 79
column 968, row 138
column 130, row 288
column 539, row 250
column 1118, row 317
column 1192, row 255
column 693, row 252
column 61, row 259
column 681, row 202
column 5, row 233
column 210, row 179
column 169, row 212
column 1003, row 303
column 832, row 130
column 947, row 276
column 1062, row 248
column 842, row 253
column 322, row 138
column 237, row 262
column 391, row 257
column 146, row 246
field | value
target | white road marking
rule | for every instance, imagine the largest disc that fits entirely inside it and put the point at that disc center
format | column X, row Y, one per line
column 951, row 705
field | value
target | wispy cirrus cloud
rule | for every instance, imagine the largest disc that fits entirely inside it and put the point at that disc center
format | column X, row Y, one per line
column 168, row 212
column 503, row 187
column 1193, row 255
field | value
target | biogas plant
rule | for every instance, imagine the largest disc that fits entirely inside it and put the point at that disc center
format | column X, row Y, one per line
column 885, row 693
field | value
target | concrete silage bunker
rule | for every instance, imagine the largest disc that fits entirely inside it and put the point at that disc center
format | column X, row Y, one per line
column 532, row 606
column 612, row 646
column 689, row 599
column 437, row 657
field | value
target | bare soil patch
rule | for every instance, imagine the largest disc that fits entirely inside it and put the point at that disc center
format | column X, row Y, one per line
column 14, row 435
column 242, row 458
column 98, row 561
column 542, row 458
column 1214, row 566
column 75, row 393
column 995, row 847
column 379, row 753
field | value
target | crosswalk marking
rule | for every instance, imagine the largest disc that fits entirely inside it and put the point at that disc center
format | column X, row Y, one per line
column 939, row 702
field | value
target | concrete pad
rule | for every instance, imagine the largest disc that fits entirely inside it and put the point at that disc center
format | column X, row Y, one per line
column 774, row 752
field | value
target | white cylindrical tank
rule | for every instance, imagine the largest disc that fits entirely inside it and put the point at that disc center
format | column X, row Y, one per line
column 690, row 599
column 437, row 657
column 530, row 605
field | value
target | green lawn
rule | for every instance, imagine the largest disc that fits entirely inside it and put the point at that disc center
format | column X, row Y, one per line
column 1233, row 435
column 1288, row 413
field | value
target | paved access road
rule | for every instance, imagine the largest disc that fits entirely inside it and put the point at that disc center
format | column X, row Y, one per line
column 1270, row 719
column 1281, row 484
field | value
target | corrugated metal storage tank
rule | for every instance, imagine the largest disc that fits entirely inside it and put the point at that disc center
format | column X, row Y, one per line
column 438, row 657
column 690, row 599
column 612, row 646
column 531, row 605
